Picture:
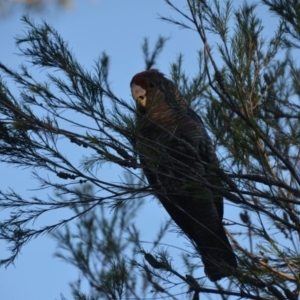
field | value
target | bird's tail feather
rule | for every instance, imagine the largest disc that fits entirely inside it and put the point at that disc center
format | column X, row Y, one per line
column 217, row 255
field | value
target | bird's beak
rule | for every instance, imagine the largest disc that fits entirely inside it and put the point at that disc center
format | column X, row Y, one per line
column 139, row 94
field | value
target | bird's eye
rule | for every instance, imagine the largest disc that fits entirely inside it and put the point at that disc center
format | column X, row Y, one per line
column 152, row 84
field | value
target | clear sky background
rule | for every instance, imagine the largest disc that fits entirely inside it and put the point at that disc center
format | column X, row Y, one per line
column 90, row 27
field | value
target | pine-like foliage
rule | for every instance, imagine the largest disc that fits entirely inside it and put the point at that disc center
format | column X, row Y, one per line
column 247, row 92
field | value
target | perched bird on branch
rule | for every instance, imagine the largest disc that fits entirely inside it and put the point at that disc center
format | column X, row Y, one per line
column 180, row 165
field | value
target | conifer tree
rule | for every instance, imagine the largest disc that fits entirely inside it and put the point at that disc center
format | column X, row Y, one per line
column 247, row 92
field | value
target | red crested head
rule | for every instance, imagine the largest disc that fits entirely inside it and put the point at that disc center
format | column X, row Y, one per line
column 144, row 83
column 143, row 79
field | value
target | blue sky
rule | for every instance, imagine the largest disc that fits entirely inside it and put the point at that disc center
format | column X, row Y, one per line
column 90, row 27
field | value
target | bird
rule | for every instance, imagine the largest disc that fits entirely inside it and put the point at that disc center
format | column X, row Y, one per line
column 178, row 159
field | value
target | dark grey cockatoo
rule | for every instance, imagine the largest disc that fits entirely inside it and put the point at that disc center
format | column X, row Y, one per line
column 179, row 162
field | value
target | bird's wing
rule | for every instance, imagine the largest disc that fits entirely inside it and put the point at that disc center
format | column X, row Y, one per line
column 194, row 132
